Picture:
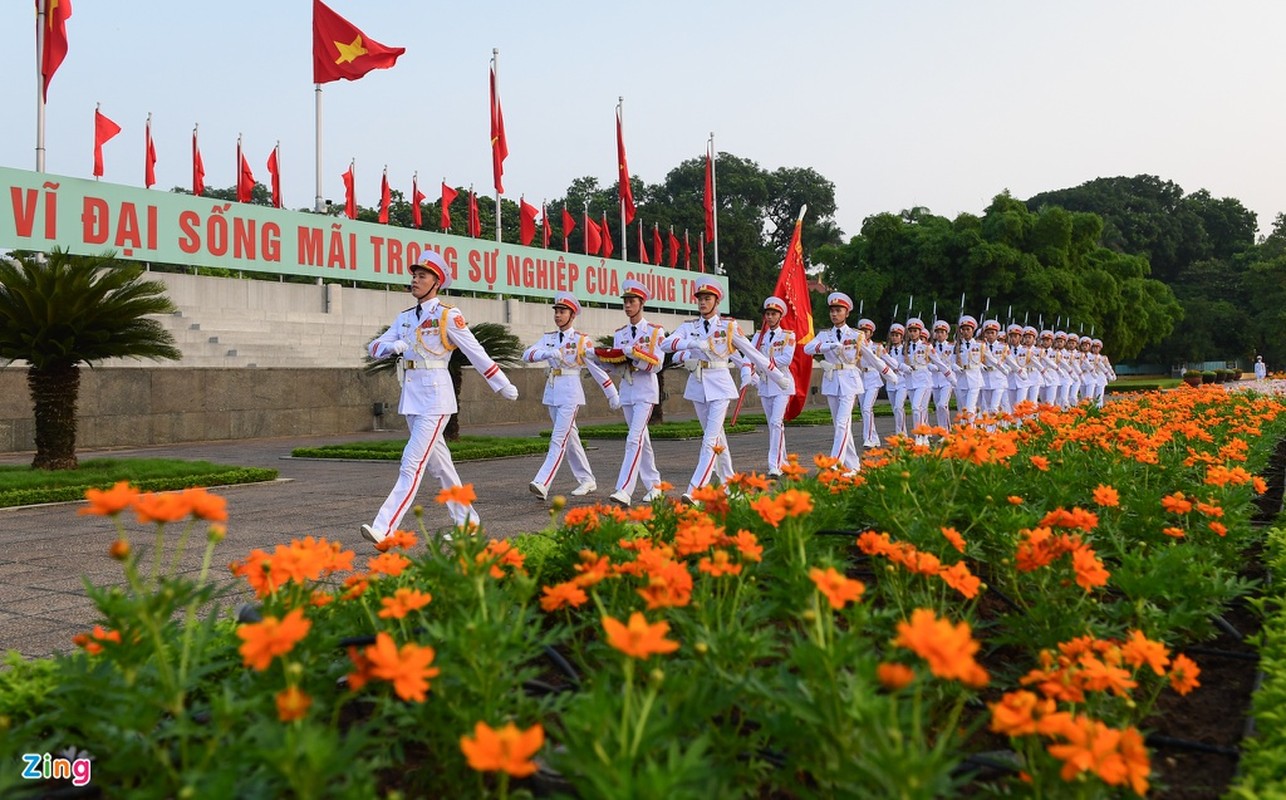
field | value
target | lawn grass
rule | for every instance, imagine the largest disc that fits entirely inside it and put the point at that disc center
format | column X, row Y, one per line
column 466, row 448
column 25, row 486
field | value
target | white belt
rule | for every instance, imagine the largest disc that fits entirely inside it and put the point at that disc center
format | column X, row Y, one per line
column 424, row 364
column 564, row 371
column 839, row 366
column 714, row 365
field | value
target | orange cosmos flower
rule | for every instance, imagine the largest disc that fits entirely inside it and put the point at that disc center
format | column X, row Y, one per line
column 1075, row 518
column 795, row 503
column 1017, row 713
column 638, row 639
column 500, row 554
column 1040, row 462
column 390, row 564
column 119, row 550
column 948, row 648
column 110, row 502
column 953, row 536
column 668, row 584
column 407, row 669
column 713, row 499
column 1210, row 509
column 562, row 594
column 1176, row 503
column 769, row 510
column 958, row 577
column 463, row 495
column 161, row 508
column 261, row 642
column 506, row 750
column 1219, row 528
column 206, row 506
column 719, row 565
column 403, row 602
column 894, row 676
column 1089, row 569
column 1014, row 500
column 93, row 642
column 839, row 590
column 748, row 483
column 1259, row 484
column 748, row 545
column 403, row 540
column 1140, row 650
column 697, row 535
column 292, row 704
column 1106, row 496
column 1177, row 533
column 592, row 568
column 824, row 462
column 1183, row 674
column 320, row 598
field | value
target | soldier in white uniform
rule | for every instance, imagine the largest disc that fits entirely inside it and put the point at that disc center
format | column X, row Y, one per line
column 705, row 346
column 994, row 369
column 968, row 361
column 1106, row 373
column 567, row 352
column 942, row 356
column 1049, row 371
column 424, row 336
column 778, row 346
column 895, row 357
column 1261, row 369
column 1027, row 379
column 876, row 372
column 1065, row 369
column 636, row 358
column 841, row 348
column 919, row 369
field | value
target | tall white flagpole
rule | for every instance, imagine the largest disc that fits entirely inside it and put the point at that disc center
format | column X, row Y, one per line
column 620, row 190
column 317, row 157
column 495, row 69
column 40, row 87
column 714, row 202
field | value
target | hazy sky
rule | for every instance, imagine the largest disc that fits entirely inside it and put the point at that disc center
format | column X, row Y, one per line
column 937, row 104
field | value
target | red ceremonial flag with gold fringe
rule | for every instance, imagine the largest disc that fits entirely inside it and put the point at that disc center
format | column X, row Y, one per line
column 341, row 51
column 792, row 287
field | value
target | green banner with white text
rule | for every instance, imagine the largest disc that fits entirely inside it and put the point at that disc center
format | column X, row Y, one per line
column 43, row 211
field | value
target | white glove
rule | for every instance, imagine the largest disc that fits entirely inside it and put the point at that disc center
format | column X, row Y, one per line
column 780, row 378
column 830, row 347
column 510, row 392
column 400, row 346
column 614, row 402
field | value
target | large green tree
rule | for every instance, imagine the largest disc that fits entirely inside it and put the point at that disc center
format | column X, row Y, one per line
column 61, row 311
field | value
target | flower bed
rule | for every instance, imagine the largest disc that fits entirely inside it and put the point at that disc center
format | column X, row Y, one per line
column 1003, row 608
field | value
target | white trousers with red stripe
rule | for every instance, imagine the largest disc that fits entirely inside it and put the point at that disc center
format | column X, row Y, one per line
column 564, row 443
column 775, row 411
column 425, row 451
column 842, row 413
column 639, row 461
column 714, row 457
column 870, row 437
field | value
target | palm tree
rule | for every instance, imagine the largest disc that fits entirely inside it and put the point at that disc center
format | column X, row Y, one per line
column 501, row 345
column 58, row 312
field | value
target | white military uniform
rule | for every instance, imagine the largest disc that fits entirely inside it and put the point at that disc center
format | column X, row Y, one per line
column 705, row 346
column 639, row 392
column 1261, row 369
column 431, row 331
column 566, row 353
column 778, row 346
column 968, row 359
column 841, row 349
column 919, row 370
column 942, row 356
column 875, row 372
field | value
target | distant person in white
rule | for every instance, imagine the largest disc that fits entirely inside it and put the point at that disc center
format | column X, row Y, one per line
column 1261, row 369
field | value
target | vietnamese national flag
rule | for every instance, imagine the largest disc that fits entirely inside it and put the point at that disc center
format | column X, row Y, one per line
column 475, row 221
column 674, row 248
column 544, row 223
column 642, row 247
column 569, row 225
column 608, row 247
column 792, row 286
column 104, row 129
column 350, row 192
column 149, row 156
column 274, row 173
column 448, row 197
column 245, row 179
column 593, row 237
column 527, row 221
column 499, row 144
column 656, row 243
column 417, row 197
column 55, row 37
column 625, row 190
column 340, row 50
column 198, row 168
column 707, row 201
column 386, row 198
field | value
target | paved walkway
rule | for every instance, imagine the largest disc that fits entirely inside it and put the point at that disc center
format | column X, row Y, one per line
column 48, row 551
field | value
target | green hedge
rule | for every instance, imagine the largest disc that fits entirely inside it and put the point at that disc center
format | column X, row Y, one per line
column 32, row 495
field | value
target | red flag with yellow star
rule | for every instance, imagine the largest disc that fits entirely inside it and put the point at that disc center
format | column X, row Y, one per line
column 340, row 50
column 55, row 38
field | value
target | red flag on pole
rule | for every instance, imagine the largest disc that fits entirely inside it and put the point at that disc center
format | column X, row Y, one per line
column 417, row 197
column 104, row 129
column 340, row 50
column 625, row 190
column 642, row 247
column 198, row 168
column 55, row 34
column 674, row 248
column 526, row 221
column 245, row 178
column 448, row 197
column 687, row 251
column 386, row 198
column 475, row 221
column 274, row 175
column 707, row 201
column 499, row 144
column 701, row 255
column 350, row 193
column 149, row 157
column 656, row 243
column 569, row 225
column 593, row 237
column 792, row 286
column 608, row 247
column 544, row 223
